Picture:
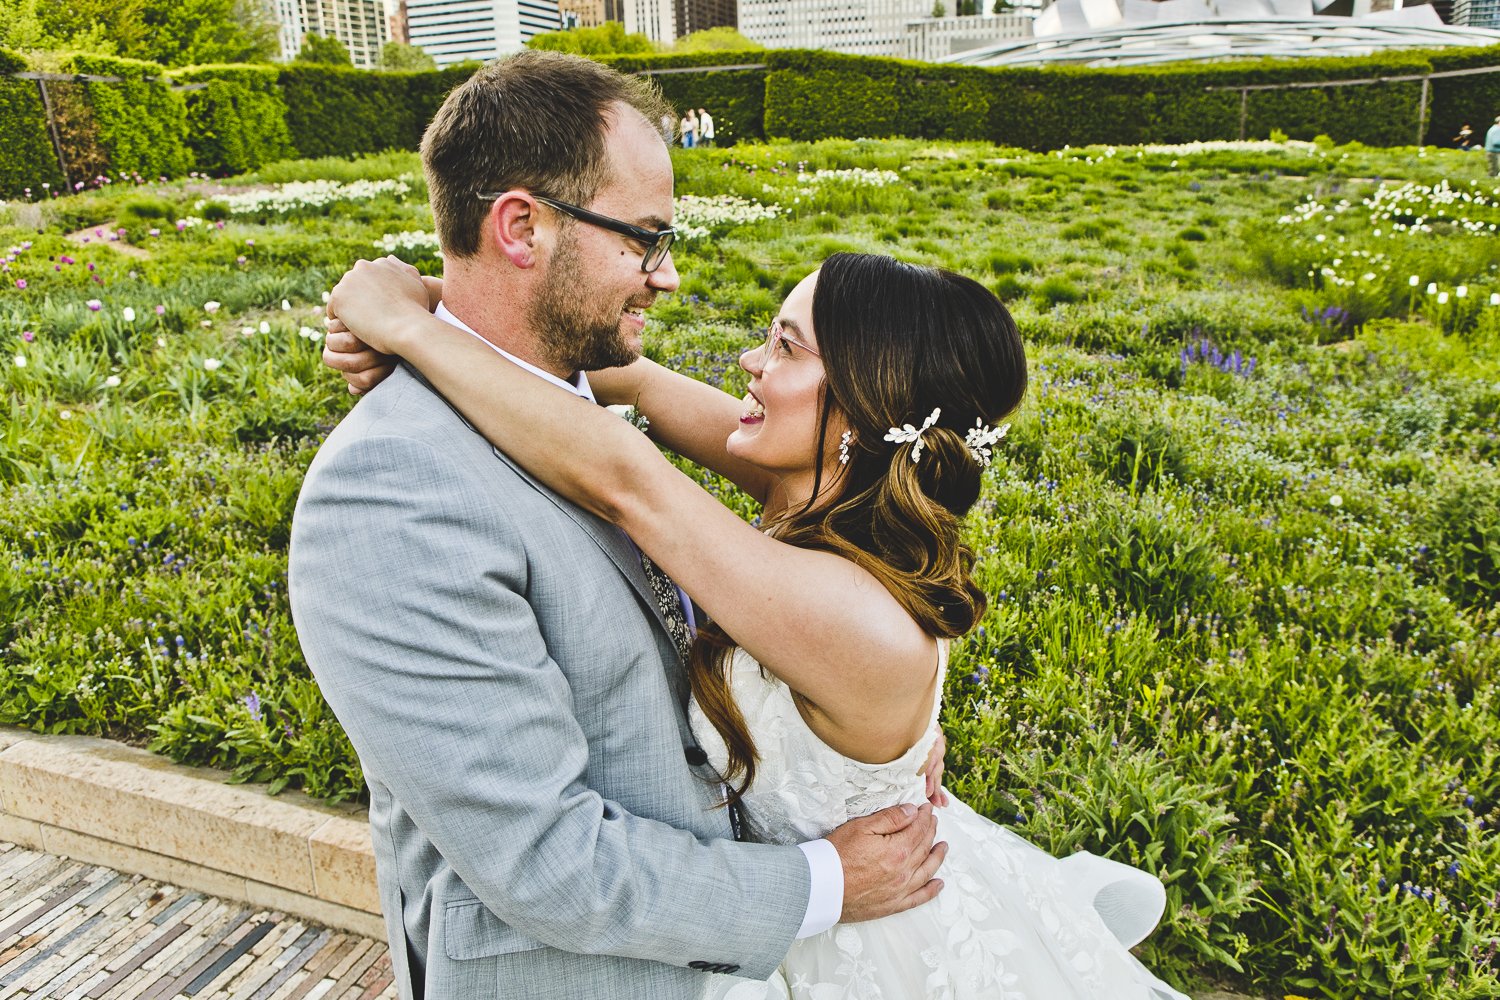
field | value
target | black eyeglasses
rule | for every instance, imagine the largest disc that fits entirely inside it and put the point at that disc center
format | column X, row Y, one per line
column 658, row 242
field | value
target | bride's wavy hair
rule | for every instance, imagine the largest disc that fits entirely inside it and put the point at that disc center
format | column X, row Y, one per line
column 898, row 341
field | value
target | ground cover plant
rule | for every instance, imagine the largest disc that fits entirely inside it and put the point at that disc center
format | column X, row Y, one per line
column 1242, row 543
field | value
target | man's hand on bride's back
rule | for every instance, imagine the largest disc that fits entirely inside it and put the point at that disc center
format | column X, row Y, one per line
column 369, row 295
column 889, row 861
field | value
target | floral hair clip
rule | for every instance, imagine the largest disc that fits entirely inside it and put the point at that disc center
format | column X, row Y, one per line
column 844, row 440
column 907, row 433
column 981, row 439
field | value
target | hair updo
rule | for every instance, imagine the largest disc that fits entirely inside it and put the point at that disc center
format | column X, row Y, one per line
column 898, row 341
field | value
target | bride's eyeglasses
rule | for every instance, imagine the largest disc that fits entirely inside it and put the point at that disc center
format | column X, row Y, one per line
column 776, row 335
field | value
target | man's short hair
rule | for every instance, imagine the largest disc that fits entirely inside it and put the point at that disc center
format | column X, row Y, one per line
column 534, row 120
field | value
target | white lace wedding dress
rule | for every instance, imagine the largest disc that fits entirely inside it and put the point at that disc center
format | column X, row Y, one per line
column 1012, row 922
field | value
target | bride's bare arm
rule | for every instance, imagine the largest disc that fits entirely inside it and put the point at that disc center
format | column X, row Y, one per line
column 817, row 621
column 692, row 418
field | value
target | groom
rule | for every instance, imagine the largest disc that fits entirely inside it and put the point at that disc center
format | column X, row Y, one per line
column 544, row 824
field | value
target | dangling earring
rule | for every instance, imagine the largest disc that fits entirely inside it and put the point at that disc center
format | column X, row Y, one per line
column 844, row 440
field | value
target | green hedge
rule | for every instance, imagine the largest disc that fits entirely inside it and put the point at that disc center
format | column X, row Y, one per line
column 337, row 111
column 735, row 98
column 140, row 123
column 1456, row 100
column 27, row 159
column 813, row 95
column 237, row 121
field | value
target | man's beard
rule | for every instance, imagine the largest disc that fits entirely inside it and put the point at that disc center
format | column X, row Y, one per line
column 572, row 327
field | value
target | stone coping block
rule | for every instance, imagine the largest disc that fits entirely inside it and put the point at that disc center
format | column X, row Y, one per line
column 113, row 804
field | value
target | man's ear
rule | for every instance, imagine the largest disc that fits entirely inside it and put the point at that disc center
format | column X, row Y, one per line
column 512, row 225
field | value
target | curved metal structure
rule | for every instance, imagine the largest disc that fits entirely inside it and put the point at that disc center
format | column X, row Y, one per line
column 1142, row 43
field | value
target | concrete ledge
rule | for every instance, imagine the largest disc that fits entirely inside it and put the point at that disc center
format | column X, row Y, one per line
column 108, row 804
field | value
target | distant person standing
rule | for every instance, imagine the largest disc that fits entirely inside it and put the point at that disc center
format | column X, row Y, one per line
column 689, row 127
column 1465, row 137
column 1492, row 147
column 705, row 127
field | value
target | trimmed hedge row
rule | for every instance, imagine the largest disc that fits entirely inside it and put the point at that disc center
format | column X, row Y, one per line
column 246, row 116
column 141, row 123
column 27, row 158
column 736, row 98
column 237, row 120
column 1457, row 100
column 812, row 95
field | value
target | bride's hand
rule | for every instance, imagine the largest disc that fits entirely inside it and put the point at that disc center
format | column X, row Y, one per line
column 376, row 300
column 363, row 367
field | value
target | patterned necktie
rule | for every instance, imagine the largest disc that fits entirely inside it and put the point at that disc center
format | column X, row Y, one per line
column 669, row 603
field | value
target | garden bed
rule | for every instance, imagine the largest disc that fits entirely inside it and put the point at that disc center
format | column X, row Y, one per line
column 1242, row 545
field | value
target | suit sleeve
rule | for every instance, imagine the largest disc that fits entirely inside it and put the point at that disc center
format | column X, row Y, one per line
column 408, row 587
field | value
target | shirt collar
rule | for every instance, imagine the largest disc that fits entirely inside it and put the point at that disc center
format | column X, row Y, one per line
column 578, row 388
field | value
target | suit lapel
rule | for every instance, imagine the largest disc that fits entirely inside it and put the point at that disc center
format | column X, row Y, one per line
column 615, row 543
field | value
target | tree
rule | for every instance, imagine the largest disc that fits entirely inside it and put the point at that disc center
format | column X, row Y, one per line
column 1003, row 7
column 324, row 51
column 607, row 39
column 938, row 10
column 396, row 57
column 203, row 32
column 723, row 39
column 170, row 32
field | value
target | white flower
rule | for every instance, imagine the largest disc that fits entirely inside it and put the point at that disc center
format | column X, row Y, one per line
column 286, row 306
column 1368, row 276
column 1462, row 291
column 327, row 296
column 129, row 314
column 309, row 333
column 161, row 341
column 265, row 327
column 1335, row 501
column 309, row 194
column 409, row 239
column 1432, row 288
column 211, row 364
column 112, row 382
column 1442, row 298
column 1495, row 298
column 247, row 331
column 20, row 361
column 210, row 306
column 1414, row 281
column 65, row 414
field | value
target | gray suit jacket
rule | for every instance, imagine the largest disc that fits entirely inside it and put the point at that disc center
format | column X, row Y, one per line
column 496, row 659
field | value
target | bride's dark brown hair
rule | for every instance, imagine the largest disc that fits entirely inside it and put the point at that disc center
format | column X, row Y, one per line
column 898, row 341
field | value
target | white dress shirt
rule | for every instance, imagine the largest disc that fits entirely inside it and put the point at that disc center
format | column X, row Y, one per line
column 826, row 900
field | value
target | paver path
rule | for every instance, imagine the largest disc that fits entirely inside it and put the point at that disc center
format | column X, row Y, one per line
column 71, row 930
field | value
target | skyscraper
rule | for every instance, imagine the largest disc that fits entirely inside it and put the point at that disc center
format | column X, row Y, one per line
column 1477, row 13
column 452, row 31
column 359, row 24
column 699, row 15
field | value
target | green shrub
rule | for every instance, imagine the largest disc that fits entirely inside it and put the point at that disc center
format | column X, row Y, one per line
column 141, row 122
column 338, row 111
column 28, row 159
column 734, row 97
column 237, row 121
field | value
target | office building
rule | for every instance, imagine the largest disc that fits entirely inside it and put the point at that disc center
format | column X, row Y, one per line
column 359, row 24
column 453, row 31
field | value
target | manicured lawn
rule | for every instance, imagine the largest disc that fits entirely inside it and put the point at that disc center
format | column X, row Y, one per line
column 1242, row 543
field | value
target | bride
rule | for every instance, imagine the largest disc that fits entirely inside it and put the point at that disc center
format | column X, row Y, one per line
column 869, row 419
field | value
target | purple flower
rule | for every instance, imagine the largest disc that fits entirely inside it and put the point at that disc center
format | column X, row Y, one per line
column 27, row 336
column 252, row 702
column 94, row 305
column 21, row 283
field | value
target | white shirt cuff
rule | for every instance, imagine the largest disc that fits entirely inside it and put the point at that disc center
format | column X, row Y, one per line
column 826, row 901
